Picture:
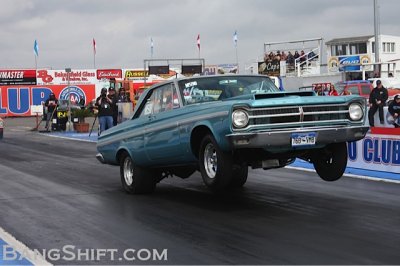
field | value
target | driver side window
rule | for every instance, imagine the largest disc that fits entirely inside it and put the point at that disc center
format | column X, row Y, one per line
column 162, row 99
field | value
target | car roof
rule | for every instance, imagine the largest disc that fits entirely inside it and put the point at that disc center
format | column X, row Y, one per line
column 356, row 82
column 221, row 75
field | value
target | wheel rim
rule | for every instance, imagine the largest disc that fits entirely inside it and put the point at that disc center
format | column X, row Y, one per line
column 210, row 160
column 128, row 171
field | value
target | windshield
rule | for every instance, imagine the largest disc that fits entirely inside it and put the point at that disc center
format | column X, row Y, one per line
column 218, row 88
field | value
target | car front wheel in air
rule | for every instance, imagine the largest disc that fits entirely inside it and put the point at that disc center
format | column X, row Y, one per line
column 330, row 162
column 215, row 165
column 135, row 179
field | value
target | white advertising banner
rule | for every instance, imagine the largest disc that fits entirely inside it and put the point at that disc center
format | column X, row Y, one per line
column 60, row 77
column 376, row 152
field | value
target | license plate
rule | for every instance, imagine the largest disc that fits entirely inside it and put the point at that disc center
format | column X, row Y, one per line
column 303, row 139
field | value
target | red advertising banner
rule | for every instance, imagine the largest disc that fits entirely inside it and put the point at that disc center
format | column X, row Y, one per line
column 17, row 100
column 109, row 73
column 18, row 77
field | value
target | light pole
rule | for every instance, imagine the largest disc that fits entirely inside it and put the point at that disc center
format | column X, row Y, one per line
column 377, row 35
column 68, row 125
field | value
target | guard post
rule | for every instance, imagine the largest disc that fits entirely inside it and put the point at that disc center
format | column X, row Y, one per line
column 1, row 128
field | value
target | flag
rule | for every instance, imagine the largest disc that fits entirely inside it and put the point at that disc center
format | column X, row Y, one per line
column 198, row 41
column 94, row 46
column 151, row 46
column 235, row 38
column 36, row 48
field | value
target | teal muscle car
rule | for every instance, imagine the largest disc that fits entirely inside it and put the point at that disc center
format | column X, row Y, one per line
column 222, row 125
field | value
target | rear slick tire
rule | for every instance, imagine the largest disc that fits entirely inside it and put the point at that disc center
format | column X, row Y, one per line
column 135, row 179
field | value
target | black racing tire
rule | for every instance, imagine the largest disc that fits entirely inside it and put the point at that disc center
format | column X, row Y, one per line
column 239, row 176
column 215, row 165
column 331, row 162
column 135, row 179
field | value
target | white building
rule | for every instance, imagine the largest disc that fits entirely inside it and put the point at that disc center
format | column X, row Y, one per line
column 349, row 54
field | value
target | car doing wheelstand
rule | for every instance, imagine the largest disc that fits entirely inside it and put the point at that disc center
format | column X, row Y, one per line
column 221, row 125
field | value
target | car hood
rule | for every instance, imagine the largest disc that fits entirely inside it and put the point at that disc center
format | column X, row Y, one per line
column 290, row 98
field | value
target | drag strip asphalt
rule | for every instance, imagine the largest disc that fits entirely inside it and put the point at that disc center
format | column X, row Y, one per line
column 54, row 193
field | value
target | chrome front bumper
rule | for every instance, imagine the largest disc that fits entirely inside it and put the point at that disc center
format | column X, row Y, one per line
column 282, row 138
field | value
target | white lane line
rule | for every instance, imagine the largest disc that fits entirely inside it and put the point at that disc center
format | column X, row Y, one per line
column 377, row 179
column 34, row 258
column 71, row 138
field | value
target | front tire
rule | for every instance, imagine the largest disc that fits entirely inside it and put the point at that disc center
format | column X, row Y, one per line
column 215, row 165
column 330, row 162
column 239, row 175
column 135, row 179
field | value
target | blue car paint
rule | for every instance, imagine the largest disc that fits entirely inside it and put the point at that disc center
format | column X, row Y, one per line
column 165, row 138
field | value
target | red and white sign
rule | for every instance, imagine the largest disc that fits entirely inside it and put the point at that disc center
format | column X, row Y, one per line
column 57, row 77
column 109, row 73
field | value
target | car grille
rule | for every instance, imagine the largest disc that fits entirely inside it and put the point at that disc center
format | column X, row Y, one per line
column 299, row 116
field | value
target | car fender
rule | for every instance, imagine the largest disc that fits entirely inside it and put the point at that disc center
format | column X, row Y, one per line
column 215, row 129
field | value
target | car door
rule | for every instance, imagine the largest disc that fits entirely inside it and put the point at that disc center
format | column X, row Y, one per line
column 162, row 133
column 134, row 131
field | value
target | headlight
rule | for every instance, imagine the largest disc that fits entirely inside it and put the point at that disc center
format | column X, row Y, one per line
column 355, row 112
column 240, row 118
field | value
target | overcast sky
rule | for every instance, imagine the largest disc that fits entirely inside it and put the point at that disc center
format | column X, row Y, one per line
column 122, row 29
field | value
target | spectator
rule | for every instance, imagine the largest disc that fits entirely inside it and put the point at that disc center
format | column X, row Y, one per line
column 278, row 56
column 390, row 75
column 51, row 104
column 82, row 103
column 394, row 111
column 105, row 110
column 377, row 100
column 296, row 55
column 283, row 56
column 113, row 97
column 319, row 90
column 290, row 58
column 271, row 57
column 302, row 56
column 122, row 96
column 332, row 91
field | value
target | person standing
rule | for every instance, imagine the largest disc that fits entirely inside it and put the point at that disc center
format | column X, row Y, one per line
column 394, row 111
column 122, row 96
column 377, row 100
column 51, row 104
column 105, row 110
column 114, row 98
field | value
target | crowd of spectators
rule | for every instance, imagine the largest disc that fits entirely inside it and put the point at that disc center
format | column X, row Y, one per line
column 289, row 57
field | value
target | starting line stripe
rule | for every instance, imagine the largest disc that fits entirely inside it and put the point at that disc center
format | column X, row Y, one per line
column 8, row 240
column 71, row 138
column 377, row 179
